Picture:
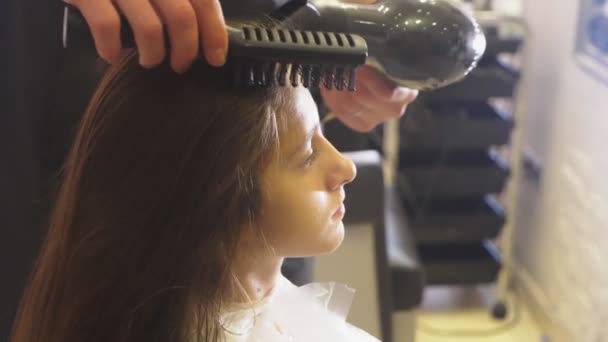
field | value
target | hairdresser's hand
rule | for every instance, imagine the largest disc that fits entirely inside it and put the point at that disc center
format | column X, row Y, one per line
column 185, row 20
column 376, row 100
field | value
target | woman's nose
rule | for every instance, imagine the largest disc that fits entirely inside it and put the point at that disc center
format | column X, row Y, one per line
column 344, row 172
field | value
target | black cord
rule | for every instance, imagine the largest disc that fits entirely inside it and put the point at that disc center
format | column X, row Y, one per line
column 439, row 166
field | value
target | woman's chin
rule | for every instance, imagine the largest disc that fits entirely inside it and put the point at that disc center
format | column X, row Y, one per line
column 323, row 244
column 335, row 238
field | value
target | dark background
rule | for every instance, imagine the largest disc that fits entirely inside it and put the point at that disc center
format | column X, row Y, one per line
column 43, row 91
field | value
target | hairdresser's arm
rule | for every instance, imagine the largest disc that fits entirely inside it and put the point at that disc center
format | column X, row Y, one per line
column 185, row 20
column 376, row 99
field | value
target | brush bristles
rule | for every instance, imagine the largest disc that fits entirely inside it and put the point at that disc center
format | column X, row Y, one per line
column 310, row 76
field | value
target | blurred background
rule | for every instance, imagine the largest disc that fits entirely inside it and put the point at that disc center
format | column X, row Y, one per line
column 481, row 215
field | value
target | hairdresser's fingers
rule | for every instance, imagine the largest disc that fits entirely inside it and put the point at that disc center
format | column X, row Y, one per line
column 343, row 106
column 376, row 100
column 147, row 29
column 180, row 19
column 382, row 109
column 104, row 21
column 357, row 122
column 382, row 87
column 375, row 91
column 212, row 29
column 375, row 112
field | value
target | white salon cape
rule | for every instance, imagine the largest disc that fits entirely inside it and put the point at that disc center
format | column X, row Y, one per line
column 310, row 313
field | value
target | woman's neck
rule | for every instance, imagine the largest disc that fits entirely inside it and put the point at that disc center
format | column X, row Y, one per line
column 257, row 272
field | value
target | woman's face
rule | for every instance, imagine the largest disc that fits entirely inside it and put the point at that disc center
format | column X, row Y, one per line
column 303, row 207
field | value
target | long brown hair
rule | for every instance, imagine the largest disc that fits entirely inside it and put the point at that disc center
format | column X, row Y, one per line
column 160, row 180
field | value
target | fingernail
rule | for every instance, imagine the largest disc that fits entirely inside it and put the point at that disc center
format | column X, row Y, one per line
column 112, row 60
column 403, row 94
column 180, row 70
column 147, row 63
column 218, row 57
column 107, row 60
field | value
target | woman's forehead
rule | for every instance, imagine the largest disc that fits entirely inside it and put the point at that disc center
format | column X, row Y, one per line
column 299, row 120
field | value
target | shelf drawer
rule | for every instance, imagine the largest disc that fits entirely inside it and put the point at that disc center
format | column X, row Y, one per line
column 471, row 125
column 457, row 220
column 460, row 264
column 457, row 173
column 494, row 79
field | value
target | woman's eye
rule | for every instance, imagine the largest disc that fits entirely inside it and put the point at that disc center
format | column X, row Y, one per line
column 311, row 158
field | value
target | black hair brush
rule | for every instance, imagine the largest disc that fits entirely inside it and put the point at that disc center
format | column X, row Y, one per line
column 261, row 55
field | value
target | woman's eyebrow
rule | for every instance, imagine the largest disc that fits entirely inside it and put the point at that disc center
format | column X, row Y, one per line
column 302, row 144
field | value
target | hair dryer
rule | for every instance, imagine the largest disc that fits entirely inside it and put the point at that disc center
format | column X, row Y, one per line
column 420, row 44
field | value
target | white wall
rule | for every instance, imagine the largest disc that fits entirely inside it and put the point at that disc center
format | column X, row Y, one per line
column 561, row 230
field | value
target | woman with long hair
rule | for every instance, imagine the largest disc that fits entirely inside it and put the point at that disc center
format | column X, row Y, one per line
column 180, row 198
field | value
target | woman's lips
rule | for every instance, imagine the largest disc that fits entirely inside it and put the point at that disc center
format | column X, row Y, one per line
column 339, row 213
